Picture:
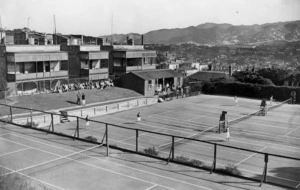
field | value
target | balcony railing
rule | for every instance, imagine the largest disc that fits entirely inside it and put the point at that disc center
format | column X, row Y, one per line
column 93, row 71
column 30, row 76
column 144, row 67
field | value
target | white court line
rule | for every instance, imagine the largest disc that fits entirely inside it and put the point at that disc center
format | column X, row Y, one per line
column 292, row 131
column 103, row 160
column 250, row 156
column 144, row 170
column 151, row 187
column 298, row 186
column 267, row 134
column 14, row 151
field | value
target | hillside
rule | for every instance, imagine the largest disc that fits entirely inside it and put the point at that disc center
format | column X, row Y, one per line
column 211, row 33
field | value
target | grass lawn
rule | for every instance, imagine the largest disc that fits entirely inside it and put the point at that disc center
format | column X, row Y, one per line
column 68, row 99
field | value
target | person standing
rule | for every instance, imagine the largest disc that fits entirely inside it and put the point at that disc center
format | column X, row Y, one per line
column 235, row 100
column 227, row 134
column 78, row 98
column 83, row 99
column 271, row 100
column 87, row 122
column 139, row 117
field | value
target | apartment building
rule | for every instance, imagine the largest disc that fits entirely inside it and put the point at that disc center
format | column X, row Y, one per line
column 87, row 62
column 130, row 57
column 32, row 68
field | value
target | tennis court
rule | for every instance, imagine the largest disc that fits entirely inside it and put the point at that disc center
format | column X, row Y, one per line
column 276, row 133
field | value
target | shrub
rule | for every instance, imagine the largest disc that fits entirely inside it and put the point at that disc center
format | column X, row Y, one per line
column 19, row 183
column 31, row 124
column 91, row 138
column 197, row 163
column 231, row 170
column 182, row 159
column 151, row 151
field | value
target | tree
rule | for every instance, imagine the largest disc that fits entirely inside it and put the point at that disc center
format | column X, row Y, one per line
column 275, row 74
column 251, row 77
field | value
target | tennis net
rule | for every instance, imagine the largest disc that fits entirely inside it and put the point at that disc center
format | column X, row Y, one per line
column 215, row 128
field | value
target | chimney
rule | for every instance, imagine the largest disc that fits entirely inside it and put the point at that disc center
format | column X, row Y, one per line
column 142, row 39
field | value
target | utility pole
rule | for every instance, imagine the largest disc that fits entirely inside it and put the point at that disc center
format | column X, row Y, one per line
column 28, row 19
column 54, row 22
column 112, row 22
column 1, row 29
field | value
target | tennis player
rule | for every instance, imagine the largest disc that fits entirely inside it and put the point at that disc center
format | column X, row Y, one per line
column 139, row 116
column 227, row 134
column 235, row 100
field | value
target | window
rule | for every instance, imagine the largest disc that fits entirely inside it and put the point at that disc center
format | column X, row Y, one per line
column 149, row 84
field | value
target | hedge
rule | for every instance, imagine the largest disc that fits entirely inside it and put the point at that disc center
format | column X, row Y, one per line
column 280, row 93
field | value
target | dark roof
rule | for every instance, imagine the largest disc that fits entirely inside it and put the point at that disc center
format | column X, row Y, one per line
column 156, row 74
column 207, row 75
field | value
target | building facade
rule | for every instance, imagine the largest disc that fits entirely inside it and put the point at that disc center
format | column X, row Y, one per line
column 29, row 69
column 127, row 58
column 87, row 62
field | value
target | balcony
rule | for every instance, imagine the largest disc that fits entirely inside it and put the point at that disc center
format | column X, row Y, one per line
column 144, row 67
column 93, row 55
column 36, row 76
column 87, row 72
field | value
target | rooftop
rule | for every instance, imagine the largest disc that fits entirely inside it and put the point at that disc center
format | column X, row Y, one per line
column 156, row 74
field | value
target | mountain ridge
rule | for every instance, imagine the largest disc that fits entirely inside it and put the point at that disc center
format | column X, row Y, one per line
column 218, row 34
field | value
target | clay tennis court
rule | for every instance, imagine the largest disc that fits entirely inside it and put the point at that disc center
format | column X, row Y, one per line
column 276, row 133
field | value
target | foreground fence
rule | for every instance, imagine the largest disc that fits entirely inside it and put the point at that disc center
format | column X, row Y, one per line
column 171, row 147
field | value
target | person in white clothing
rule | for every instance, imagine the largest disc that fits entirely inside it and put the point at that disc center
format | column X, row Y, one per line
column 227, row 134
column 139, row 116
column 235, row 100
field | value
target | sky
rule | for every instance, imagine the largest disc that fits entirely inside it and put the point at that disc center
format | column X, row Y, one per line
column 103, row 17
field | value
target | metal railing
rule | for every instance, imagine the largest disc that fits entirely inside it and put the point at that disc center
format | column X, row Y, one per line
column 141, row 139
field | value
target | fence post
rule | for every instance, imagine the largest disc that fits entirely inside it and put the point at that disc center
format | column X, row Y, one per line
column 52, row 122
column 11, row 114
column 30, row 117
column 128, row 103
column 94, row 111
column 77, row 126
column 137, row 140
column 173, row 141
column 118, row 106
column 137, row 102
column 106, row 109
column 106, row 139
column 213, row 168
column 81, row 113
column 264, row 175
column 146, row 101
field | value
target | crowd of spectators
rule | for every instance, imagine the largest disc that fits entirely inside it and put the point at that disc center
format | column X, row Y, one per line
column 101, row 85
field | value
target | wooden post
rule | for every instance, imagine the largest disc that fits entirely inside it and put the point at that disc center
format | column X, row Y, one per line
column 11, row 114
column 31, row 117
column 173, row 147
column 52, row 122
column 264, row 175
column 77, row 128
column 137, row 140
column 106, row 139
column 213, row 167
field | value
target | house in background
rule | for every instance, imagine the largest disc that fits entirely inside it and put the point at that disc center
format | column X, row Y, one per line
column 293, row 80
column 207, row 76
column 146, row 81
column 31, row 68
column 87, row 62
column 130, row 57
